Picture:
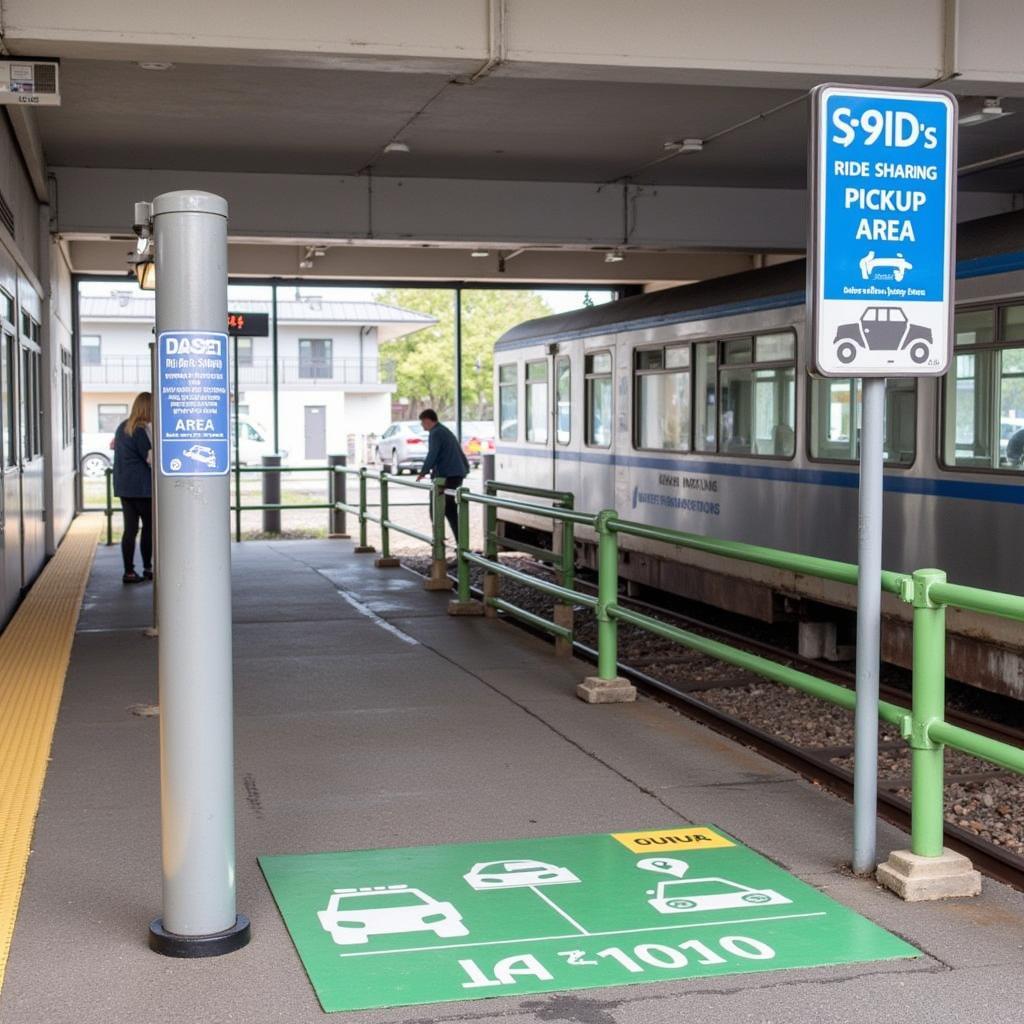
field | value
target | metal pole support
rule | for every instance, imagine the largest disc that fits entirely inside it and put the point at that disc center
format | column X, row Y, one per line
column 337, row 490
column 869, row 625
column 492, row 581
column 362, row 548
column 607, row 686
column 563, row 612
column 438, row 563
column 271, row 495
column 464, row 603
column 386, row 561
column 487, row 468
column 196, row 720
column 927, row 871
column 110, row 506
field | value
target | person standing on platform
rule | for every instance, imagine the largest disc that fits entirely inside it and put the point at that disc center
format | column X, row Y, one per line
column 133, row 484
column 445, row 458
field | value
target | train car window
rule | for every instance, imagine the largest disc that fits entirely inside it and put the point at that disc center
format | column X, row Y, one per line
column 67, row 399
column 537, row 401
column 662, row 399
column 9, row 391
column 835, row 420
column 37, row 401
column 705, row 396
column 563, row 399
column 26, row 412
column 6, row 308
column 598, row 399
column 983, row 396
column 975, row 327
column 508, row 403
column 757, row 402
column 771, row 348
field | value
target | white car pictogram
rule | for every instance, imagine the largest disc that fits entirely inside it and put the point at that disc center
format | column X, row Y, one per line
column 200, row 453
column 870, row 263
column 512, row 874
column 353, row 915
column 693, row 894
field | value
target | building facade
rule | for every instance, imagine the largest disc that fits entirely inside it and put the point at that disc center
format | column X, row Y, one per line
column 334, row 391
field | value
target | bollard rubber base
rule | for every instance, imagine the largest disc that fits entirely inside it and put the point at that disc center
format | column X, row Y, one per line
column 364, row 549
column 193, row 946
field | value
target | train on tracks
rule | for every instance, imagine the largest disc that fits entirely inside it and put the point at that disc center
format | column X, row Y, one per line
column 696, row 408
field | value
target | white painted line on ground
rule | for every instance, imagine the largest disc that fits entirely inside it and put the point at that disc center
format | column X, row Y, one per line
column 558, row 910
column 376, row 619
column 624, row 931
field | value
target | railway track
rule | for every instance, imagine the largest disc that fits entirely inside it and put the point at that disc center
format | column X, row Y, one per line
column 813, row 763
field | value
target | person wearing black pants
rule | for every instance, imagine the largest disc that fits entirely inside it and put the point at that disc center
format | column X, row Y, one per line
column 133, row 484
column 444, row 458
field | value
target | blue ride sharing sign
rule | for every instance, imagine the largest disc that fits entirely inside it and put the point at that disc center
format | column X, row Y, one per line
column 883, row 180
column 192, row 380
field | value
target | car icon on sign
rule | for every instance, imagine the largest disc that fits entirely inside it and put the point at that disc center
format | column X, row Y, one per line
column 513, row 874
column 200, row 453
column 883, row 329
column 353, row 915
column 694, row 894
column 870, row 263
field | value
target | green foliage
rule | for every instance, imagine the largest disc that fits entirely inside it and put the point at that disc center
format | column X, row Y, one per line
column 425, row 366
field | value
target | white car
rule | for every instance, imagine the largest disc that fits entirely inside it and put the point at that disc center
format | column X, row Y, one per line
column 512, row 874
column 353, row 915
column 692, row 894
column 200, row 453
column 871, row 262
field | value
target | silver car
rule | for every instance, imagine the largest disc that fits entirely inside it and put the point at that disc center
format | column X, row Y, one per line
column 403, row 446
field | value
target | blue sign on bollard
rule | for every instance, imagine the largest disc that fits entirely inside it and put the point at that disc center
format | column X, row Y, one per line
column 192, row 378
column 880, row 258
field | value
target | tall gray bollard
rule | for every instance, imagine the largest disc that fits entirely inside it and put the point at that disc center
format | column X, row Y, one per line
column 195, row 665
column 271, row 495
column 337, row 490
column 486, row 467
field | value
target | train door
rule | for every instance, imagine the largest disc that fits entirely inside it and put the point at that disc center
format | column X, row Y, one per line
column 10, row 462
column 30, row 434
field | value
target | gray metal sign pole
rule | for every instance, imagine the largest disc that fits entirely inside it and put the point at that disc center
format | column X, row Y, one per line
column 195, row 668
column 869, row 625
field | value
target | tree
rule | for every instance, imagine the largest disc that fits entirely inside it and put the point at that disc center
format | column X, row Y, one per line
column 424, row 361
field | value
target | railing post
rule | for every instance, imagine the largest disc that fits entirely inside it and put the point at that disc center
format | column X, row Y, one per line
column 109, row 472
column 492, row 581
column 271, row 495
column 438, row 563
column 362, row 548
column 464, row 603
column 607, row 686
column 337, row 490
column 927, row 871
column 563, row 611
column 385, row 561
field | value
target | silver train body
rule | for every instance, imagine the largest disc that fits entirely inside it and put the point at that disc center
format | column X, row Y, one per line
column 969, row 522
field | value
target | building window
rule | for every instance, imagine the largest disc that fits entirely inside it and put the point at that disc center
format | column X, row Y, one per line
column 244, row 351
column 508, row 403
column 757, row 396
column 662, row 399
column 90, row 351
column 315, row 359
column 598, row 397
column 563, row 399
column 836, row 425
column 984, row 394
column 67, row 399
column 110, row 416
column 537, row 402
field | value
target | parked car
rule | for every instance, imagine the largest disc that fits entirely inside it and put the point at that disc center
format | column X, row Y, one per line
column 403, row 446
column 97, row 454
column 477, row 440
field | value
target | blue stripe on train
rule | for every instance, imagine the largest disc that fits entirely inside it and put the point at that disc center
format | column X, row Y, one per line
column 1009, row 493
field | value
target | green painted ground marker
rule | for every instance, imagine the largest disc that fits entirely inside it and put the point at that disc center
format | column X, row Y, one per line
column 430, row 924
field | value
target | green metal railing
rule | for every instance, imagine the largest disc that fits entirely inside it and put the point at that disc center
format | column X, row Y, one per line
column 926, row 590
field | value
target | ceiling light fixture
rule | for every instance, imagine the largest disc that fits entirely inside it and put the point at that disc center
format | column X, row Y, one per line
column 991, row 110
column 305, row 264
column 155, row 65
column 614, row 256
column 479, row 254
column 396, row 147
column 684, row 146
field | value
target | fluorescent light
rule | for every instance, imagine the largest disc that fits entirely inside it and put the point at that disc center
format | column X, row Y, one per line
column 684, row 146
column 614, row 256
column 479, row 254
column 155, row 65
column 396, row 147
column 991, row 110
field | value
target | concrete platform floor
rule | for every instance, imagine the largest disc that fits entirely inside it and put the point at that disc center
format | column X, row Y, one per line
column 367, row 718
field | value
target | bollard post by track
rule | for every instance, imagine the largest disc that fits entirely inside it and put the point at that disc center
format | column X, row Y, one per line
column 438, row 579
column 564, row 614
column 464, row 603
column 492, row 581
column 109, row 473
column 928, row 871
column 607, row 686
column 271, row 494
column 363, row 548
column 386, row 561
column 195, row 679
column 337, row 490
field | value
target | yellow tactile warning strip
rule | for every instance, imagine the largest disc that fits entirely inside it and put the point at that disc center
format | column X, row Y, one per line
column 34, row 652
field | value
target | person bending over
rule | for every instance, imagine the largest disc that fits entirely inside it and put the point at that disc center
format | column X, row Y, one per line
column 445, row 458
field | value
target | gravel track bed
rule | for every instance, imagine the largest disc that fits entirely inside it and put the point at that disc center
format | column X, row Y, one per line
column 992, row 808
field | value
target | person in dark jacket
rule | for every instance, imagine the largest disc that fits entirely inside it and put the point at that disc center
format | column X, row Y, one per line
column 445, row 458
column 133, row 484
